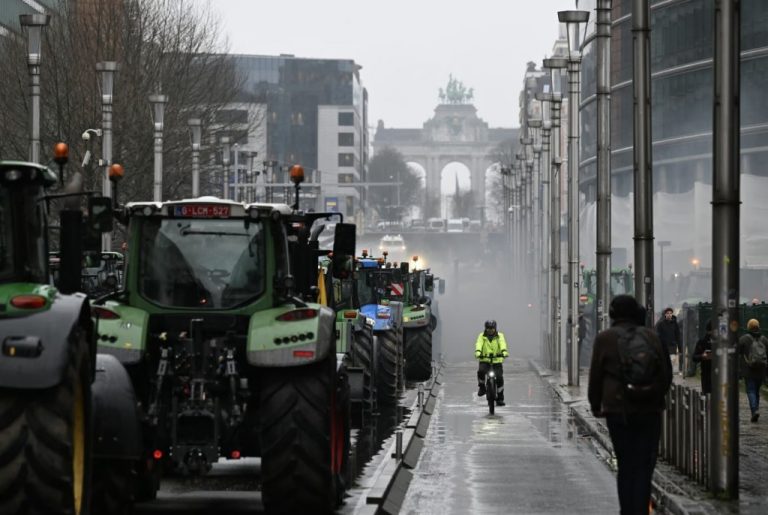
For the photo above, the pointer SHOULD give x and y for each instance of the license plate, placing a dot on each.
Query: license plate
(204, 211)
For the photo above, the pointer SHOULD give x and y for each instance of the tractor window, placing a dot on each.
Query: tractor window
(6, 235)
(193, 263)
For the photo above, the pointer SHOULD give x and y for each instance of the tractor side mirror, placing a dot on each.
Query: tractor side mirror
(344, 240)
(404, 267)
(441, 287)
(429, 282)
(100, 214)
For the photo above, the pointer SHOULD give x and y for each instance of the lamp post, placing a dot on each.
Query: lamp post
(158, 102)
(236, 193)
(195, 136)
(573, 21)
(546, 213)
(107, 70)
(225, 160)
(662, 244)
(33, 24)
(555, 67)
(726, 196)
(268, 179)
(253, 177)
(603, 244)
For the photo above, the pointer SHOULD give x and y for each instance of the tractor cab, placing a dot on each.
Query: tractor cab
(23, 241)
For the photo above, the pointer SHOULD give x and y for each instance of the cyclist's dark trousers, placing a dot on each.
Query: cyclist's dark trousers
(498, 370)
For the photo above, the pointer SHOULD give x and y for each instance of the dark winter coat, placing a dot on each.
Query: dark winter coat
(606, 392)
(745, 342)
(704, 344)
(669, 334)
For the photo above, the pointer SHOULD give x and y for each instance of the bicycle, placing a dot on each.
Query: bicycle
(491, 391)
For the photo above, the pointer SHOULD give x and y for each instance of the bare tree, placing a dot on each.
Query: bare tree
(163, 46)
(388, 165)
(502, 156)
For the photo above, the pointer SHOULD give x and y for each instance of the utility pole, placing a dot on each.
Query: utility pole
(34, 24)
(726, 194)
(603, 250)
(573, 21)
(158, 102)
(643, 163)
(195, 136)
(555, 67)
(107, 70)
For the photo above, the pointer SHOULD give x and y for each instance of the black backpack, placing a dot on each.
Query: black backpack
(640, 367)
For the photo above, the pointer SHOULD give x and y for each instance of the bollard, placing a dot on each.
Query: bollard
(691, 433)
(398, 445)
(707, 461)
(420, 402)
(679, 427)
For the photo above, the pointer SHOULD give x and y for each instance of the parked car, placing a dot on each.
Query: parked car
(455, 225)
(418, 224)
(436, 225)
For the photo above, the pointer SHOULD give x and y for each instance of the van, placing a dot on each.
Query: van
(436, 225)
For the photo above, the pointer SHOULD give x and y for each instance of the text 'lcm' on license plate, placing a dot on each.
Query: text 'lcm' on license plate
(201, 211)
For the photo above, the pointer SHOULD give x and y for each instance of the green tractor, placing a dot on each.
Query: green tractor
(227, 351)
(418, 323)
(354, 332)
(61, 405)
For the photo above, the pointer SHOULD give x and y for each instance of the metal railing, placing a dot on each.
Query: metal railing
(685, 432)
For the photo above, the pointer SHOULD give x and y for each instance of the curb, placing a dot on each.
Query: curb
(392, 478)
(664, 492)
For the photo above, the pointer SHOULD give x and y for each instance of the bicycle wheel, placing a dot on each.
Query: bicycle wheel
(490, 395)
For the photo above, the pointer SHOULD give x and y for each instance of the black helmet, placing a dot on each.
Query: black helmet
(490, 324)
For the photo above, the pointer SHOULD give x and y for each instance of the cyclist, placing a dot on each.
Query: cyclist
(491, 343)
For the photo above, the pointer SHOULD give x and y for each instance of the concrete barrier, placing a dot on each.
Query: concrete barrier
(393, 477)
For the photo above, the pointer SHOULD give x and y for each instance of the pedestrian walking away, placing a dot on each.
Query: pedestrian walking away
(668, 331)
(703, 354)
(753, 350)
(629, 376)
(491, 351)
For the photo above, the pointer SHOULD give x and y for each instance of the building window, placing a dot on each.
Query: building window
(346, 139)
(350, 206)
(346, 178)
(346, 159)
(346, 119)
(230, 116)
(297, 118)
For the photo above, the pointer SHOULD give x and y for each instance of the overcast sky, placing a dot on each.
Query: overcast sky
(407, 48)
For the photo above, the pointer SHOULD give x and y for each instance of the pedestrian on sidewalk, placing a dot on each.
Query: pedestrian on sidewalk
(632, 411)
(753, 349)
(703, 354)
(668, 331)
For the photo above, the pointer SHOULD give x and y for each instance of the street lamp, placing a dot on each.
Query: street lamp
(33, 24)
(573, 21)
(225, 160)
(662, 244)
(107, 70)
(158, 102)
(195, 137)
(555, 66)
(253, 176)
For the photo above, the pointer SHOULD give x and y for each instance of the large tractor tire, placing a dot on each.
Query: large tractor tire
(45, 442)
(418, 354)
(364, 358)
(304, 438)
(388, 365)
(114, 482)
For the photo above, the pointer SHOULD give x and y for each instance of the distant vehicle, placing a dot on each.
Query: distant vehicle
(394, 246)
(455, 225)
(385, 225)
(435, 225)
(475, 225)
(418, 225)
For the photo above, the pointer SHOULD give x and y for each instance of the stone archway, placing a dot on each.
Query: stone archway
(454, 134)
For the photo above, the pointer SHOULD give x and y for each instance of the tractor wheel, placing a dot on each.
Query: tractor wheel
(363, 353)
(45, 442)
(304, 438)
(387, 367)
(113, 486)
(147, 481)
(401, 361)
(418, 354)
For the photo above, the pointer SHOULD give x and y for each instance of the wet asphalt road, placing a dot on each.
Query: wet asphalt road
(527, 459)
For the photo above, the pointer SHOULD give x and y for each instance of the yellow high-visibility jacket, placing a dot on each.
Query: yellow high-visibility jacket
(496, 346)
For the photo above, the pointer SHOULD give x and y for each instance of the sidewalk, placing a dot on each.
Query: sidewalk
(673, 491)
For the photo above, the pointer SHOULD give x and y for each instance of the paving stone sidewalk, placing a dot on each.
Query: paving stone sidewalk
(674, 491)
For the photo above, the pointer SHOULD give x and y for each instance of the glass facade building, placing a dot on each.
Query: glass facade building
(682, 43)
(293, 89)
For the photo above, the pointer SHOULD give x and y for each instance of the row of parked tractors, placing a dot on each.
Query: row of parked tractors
(225, 333)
